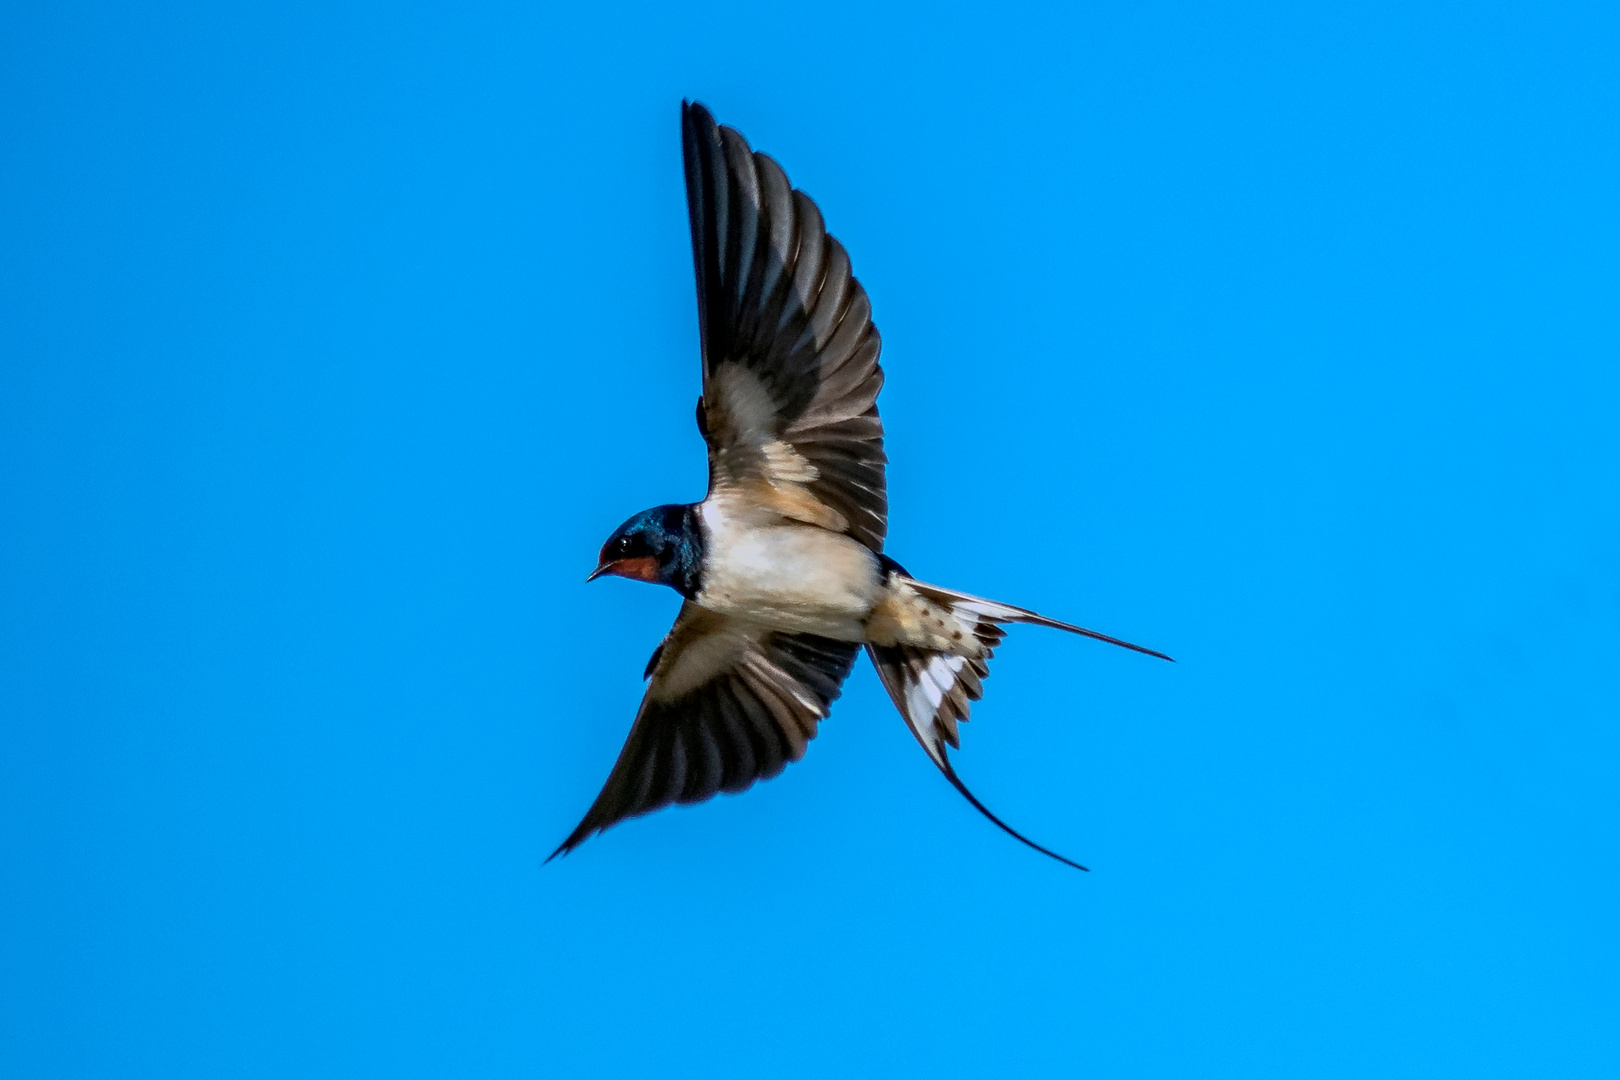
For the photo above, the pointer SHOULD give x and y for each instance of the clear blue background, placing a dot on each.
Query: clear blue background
(334, 339)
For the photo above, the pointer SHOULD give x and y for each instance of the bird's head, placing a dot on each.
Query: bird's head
(661, 545)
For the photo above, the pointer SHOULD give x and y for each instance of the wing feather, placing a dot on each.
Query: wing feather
(743, 756)
(777, 300)
(728, 705)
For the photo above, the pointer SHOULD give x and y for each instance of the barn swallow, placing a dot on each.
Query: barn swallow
(782, 565)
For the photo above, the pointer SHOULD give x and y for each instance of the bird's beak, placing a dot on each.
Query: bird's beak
(641, 568)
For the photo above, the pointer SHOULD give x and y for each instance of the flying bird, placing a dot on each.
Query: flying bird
(782, 565)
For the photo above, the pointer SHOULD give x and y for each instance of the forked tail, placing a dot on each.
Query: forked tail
(933, 689)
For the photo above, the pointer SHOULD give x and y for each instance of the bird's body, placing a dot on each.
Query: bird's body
(782, 563)
(784, 574)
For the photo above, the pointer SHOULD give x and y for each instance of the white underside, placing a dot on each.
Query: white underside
(786, 576)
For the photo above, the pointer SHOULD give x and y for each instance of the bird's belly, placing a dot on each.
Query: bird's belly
(797, 578)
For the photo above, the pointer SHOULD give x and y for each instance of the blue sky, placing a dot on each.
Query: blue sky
(334, 339)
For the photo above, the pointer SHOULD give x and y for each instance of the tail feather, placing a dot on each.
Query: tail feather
(933, 689)
(932, 694)
(1006, 613)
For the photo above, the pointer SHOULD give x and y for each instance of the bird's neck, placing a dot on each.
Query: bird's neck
(684, 573)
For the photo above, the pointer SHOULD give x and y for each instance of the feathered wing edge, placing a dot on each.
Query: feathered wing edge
(749, 717)
(790, 353)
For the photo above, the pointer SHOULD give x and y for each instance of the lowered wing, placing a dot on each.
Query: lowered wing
(728, 704)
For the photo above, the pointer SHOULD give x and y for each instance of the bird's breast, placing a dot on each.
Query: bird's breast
(793, 577)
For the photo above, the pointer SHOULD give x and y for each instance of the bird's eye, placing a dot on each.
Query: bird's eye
(622, 545)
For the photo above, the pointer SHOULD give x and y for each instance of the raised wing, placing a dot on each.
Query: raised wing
(790, 355)
(729, 704)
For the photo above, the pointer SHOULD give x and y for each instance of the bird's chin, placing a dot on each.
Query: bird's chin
(640, 569)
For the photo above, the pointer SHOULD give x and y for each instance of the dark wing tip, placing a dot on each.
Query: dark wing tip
(695, 115)
(691, 111)
(580, 834)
